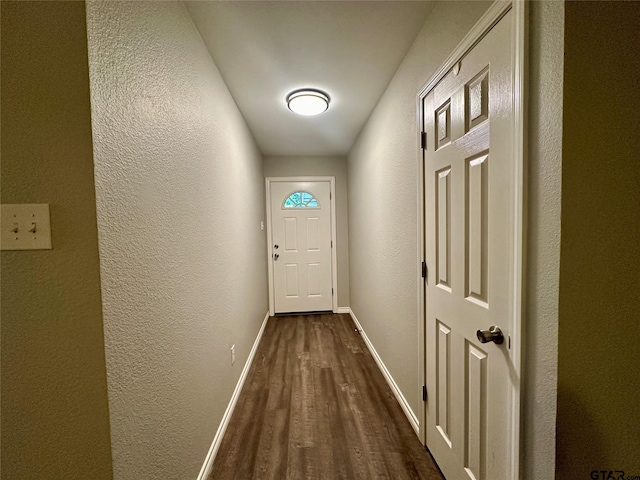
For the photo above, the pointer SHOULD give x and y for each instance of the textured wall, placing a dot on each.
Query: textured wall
(180, 197)
(55, 421)
(382, 175)
(543, 239)
(599, 329)
(319, 166)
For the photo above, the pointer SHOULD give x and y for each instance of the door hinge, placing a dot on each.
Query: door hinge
(424, 393)
(331, 243)
(329, 195)
(424, 270)
(332, 292)
(423, 140)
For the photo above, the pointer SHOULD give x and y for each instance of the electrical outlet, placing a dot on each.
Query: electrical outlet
(233, 354)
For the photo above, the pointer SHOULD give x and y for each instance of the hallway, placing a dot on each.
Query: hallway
(316, 406)
(125, 345)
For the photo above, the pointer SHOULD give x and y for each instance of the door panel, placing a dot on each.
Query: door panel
(292, 280)
(301, 246)
(313, 234)
(315, 279)
(443, 226)
(476, 229)
(443, 382)
(469, 220)
(475, 410)
(290, 234)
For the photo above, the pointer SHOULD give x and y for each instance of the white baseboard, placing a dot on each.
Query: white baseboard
(343, 310)
(413, 420)
(222, 428)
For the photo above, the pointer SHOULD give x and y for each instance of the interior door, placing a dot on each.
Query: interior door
(301, 246)
(469, 223)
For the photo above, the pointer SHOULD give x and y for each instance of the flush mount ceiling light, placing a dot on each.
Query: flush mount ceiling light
(308, 101)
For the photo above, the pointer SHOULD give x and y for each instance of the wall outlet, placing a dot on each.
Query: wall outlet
(233, 354)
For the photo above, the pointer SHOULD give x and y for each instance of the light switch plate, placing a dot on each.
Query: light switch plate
(25, 227)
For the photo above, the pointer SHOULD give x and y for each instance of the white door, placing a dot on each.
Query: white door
(301, 243)
(470, 220)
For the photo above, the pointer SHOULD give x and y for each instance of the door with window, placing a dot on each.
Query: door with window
(301, 244)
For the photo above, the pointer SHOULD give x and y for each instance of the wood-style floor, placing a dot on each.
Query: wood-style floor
(315, 406)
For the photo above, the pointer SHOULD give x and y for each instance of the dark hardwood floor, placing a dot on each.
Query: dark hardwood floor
(315, 406)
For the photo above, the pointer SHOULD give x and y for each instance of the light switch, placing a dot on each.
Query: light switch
(25, 227)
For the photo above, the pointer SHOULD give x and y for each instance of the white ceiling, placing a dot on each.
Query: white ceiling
(266, 49)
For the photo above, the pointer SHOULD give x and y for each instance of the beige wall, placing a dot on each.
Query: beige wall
(382, 175)
(319, 166)
(599, 332)
(180, 197)
(55, 421)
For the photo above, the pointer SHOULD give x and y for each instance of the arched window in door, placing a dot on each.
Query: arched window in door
(300, 200)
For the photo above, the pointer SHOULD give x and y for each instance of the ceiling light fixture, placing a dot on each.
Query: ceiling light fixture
(308, 102)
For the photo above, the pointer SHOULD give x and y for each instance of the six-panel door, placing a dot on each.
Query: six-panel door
(469, 224)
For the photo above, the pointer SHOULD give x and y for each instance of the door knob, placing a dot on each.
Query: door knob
(276, 256)
(494, 334)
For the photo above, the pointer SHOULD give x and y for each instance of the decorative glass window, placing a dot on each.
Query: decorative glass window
(300, 200)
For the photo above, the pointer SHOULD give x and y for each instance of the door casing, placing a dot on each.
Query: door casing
(334, 260)
(519, 59)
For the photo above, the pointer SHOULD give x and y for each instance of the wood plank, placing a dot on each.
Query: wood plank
(315, 406)
(273, 448)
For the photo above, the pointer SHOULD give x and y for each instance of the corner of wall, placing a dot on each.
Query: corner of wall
(546, 34)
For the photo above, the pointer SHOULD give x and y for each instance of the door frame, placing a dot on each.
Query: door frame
(519, 39)
(334, 248)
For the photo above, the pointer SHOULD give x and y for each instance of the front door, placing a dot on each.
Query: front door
(301, 243)
(470, 220)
